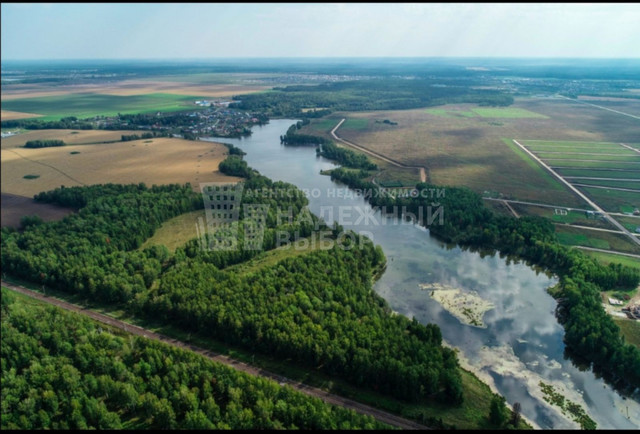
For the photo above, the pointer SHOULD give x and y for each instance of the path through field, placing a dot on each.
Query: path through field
(423, 172)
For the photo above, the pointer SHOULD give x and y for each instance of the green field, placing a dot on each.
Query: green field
(551, 181)
(630, 329)
(599, 173)
(571, 236)
(593, 164)
(488, 112)
(89, 105)
(635, 185)
(451, 113)
(354, 124)
(175, 232)
(569, 143)
(571, 156)
(631, 223)
(613, 200)
(608, 258)
(507, 113)
(619, 150)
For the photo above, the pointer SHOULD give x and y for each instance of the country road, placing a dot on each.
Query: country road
(568, 208)
(600, 107)
(579, 193)
(423, 172)
(380, 415)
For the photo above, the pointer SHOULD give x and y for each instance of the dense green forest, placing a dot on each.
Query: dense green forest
(43, 143)
(70, 122)
(317, 309)
(61, 370)
(590, 333)
(371, 94)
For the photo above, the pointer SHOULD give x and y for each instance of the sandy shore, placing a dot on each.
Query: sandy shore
(468, 307)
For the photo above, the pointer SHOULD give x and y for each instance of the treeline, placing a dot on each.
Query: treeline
(363, 95)
(346, 157)
(148, 135)
(44, 143)
(234, 150)
(61, 370)
(589, 332)
(67, 123)
(326, 148)
(292, 138)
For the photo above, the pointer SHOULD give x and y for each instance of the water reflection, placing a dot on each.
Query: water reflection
(522, 343)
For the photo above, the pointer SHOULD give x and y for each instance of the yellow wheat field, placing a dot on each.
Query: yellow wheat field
(70, 137)
(8, 115)
(152, 161)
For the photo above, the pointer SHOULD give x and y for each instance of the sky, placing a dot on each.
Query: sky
(237, 30)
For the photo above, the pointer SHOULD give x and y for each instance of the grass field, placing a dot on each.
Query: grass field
(7, 115)
(159, 161)
(467, 151)
(570, 144)
(572, 217)
(571, 236)
(613, 200)
(92, 104)
(175, 232)
(487, 112)
(70, 137)
(461, 149)
(621, 174)
(608, 258)
(354, 124)
(634, 184)
(212, 85)
(627, 165)
(631, 223)
(632, 157)
(630, 329)
(579, 151)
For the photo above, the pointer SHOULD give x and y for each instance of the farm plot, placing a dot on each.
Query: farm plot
(571, 236)
(609, 173)
(628, 184)
(70, 137)
(85, 105)
(599, 173)
(155, 161)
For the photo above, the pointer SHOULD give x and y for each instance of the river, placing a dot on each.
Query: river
(521, 343)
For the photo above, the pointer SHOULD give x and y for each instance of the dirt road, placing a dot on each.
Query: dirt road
(423, 172)
(381, 415)
(579, 193)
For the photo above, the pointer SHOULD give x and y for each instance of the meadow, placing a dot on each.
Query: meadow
(487, 112)
(156, 161)
(70, 137)
(608, 258)
(601, 173)
(86, 105)
(634, 185)
(571, 236)
(460, 149)
(613, 200)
